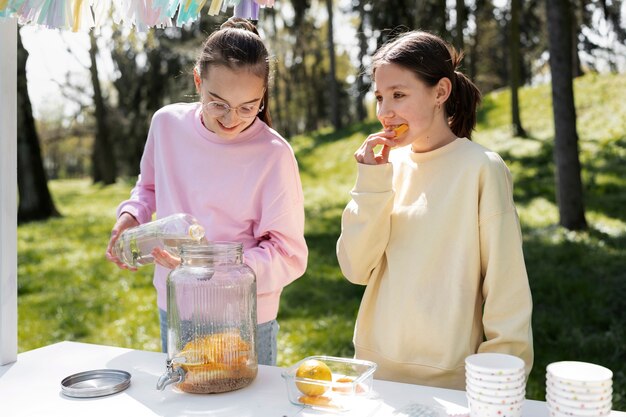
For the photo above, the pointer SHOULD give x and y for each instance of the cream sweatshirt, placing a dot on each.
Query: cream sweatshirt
(245, 189)
(436, 239)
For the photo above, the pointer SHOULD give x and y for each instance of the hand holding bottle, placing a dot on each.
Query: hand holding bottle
(125, 221)
(158, 240)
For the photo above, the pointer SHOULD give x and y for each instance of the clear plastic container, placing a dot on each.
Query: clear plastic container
(135, 245)
(211, 320)
(352, 380)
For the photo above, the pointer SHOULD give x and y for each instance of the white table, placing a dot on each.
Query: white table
(32, 387)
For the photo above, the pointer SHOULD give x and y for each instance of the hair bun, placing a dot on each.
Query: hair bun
(239, 23)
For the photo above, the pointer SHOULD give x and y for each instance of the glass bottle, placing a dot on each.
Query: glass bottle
(211, 320)
(134, 246)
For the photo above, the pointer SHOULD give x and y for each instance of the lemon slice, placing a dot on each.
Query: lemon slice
(401, 129)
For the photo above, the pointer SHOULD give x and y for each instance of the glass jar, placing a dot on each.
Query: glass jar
(134, 246)
(211, 320)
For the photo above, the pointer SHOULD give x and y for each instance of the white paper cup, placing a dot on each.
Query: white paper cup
(580, 374)
(579, 405)
(578, 412)
(553, 412)
(521, 376)
(505, 393)
(494, 363)
(599, 397)
(496, 386)
(573, 389)
(519, 398)
(480, 409)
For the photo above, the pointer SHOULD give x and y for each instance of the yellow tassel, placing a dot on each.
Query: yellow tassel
(77, 4)
(201, 5)
(3, 4)
(215, 7)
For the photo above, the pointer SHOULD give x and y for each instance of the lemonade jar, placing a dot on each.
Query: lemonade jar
(211, 320)
(134, 246)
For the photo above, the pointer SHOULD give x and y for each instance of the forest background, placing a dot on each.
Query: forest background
(77, 162)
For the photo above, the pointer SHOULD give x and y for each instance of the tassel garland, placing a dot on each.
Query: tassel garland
(82, 15)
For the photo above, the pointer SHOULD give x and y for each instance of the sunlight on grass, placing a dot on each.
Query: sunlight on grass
(539, 213)
(610, 226)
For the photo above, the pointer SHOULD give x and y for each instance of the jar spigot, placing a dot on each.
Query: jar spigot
(172, 376)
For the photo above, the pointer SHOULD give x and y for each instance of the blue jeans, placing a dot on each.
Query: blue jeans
(266, 339)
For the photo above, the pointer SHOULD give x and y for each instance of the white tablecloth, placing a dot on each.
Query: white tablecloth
(32, 387)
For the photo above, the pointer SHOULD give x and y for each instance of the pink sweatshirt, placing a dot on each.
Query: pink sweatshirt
(245, 189)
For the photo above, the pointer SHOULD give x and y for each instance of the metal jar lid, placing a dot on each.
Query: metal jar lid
(96, 383)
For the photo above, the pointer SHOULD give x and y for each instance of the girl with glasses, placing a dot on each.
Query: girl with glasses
(220, 161)
(432, 230)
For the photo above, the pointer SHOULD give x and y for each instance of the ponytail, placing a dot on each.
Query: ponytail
(461, 106)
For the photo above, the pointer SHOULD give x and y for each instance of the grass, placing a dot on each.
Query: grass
(67, 291)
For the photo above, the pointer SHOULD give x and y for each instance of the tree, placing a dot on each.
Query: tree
(461, 21)
(335, 117)
(516, 61)
(568, 180)
(153, 69)
(35, 202)
(103, 160)
(362, 83)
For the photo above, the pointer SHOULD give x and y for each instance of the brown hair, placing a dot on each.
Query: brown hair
(235, 45)
(431, 58)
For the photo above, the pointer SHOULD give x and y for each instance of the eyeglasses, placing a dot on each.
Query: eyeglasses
(219, 109)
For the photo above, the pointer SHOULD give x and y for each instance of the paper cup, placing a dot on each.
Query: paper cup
(480, 409)
(580, 374)
(496, 386)
(578, 412)
(496, 393)
(573, 389)
(506, 378)
(494, 363)
(496, 400)
(559, 393)
(579, 405)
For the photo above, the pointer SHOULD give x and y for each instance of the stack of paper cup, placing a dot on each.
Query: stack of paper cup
(578, 389)
(495, 385)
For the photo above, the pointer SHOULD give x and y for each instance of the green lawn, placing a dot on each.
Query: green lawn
(67, 291)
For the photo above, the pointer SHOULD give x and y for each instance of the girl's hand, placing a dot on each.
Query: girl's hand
(164, 258)
(365, 154)
(125, 221)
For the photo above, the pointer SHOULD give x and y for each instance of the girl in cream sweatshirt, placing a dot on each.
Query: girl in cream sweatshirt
(431, 229)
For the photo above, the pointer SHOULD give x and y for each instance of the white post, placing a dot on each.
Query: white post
(8, 191)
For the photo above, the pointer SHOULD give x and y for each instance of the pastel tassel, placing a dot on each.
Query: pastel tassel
(214, 8)
(4, 6)
(141, 14)
(247, 9)
(189, 11)
(81, 15)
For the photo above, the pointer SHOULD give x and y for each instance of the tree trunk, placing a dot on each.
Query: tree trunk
(335, 117)
(515, 57)
(361, 87)
(103, 160)
(276, 108)
(35, 202)
(577, 69)
(459, 43)
(568, 182)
